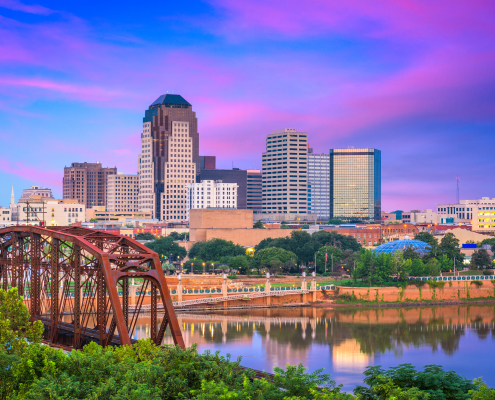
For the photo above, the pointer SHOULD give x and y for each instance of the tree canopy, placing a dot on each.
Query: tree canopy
(144, 236)
(481, 259)
(215, 250)
(166, 246)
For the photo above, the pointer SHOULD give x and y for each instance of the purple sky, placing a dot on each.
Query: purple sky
(415, 79)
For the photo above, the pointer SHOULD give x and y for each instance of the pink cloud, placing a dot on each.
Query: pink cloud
(30, 9)
(47, 177)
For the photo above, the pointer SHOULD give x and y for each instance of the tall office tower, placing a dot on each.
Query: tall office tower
(285, 173)
(122, 192)
(253, 191)
(169, 146)
(355, 184)
(236, 175)
(207, 162)
(212, 194)
(319, 184)
(87, 183)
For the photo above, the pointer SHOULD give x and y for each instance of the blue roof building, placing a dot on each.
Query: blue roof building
(399, 245)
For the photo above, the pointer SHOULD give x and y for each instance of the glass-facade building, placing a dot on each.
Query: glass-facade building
(355, 185)
(319, 184)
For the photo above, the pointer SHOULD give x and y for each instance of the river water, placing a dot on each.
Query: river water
(344, 341)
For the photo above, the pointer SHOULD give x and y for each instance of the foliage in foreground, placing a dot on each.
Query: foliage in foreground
(29, 370)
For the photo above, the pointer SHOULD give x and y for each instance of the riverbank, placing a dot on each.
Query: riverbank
(399, 304)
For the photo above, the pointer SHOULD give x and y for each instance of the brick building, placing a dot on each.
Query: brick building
(86, 183)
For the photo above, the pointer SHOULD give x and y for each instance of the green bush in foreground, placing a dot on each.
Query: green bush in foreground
(147, 372)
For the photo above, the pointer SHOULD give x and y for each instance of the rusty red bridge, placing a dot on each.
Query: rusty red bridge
(76, 281)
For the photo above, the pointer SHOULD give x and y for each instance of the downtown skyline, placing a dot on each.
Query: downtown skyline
(411, 79)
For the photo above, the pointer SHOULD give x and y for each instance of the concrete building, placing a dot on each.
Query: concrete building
(48, 212)
(115, 217)
(122, 192)
(169, 158)
(420, 217)
(480, 212)
(207, 162)
(355, 184)
(6, 217)
(368, 235)
(386, 216)
(86, 183)
(44, 193)
(319, 184)
(228, 224)
(234, 175)
(398, 231)
(285, 172)
(254, 199)
(211, 194)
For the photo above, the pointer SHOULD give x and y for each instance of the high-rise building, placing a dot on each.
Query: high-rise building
(355, 184)
(169, 157)
(319, 184)
(207, 162)
(480, 212)
(122, 192)
(253, 191)
(87, 183)
(285, 173)
(235, 175)
(212, 194)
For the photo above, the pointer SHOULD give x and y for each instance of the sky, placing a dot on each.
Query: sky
(414, 79)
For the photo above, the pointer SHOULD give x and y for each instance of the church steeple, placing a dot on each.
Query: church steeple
(12, 197)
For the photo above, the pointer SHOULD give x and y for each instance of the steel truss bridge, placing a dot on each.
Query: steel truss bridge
(70, 278)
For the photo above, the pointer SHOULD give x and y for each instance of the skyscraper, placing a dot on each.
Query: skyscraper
(122, 192)
(355, 184)
(253, 192)
(285, 173)
(207, 162)
(87, 183)
(235, 175)
(319, 184)
(169, 157)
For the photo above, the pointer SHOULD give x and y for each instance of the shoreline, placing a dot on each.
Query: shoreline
(400, 305)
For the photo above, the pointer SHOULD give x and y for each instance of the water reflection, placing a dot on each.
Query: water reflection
(345, 341)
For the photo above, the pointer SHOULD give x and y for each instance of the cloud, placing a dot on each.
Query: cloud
(36, 174)
(30, 9)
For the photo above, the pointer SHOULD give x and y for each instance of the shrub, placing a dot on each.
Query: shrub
(477, 283)
(231, 276)
(488, 272)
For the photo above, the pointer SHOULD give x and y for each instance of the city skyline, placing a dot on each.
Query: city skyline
(393, 77)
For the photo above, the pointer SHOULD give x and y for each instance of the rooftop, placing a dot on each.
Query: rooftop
(170, 100)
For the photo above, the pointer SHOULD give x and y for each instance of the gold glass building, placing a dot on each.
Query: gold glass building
(355, 185)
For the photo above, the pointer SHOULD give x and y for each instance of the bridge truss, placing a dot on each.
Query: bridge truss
(76, 281)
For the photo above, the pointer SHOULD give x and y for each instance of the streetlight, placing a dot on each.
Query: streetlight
(204, 268)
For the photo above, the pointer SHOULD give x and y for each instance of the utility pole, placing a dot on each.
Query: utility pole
(331, 256)
(454, 266)
(315, 263)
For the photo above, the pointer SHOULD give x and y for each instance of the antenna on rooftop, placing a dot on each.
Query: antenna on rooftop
(457, 194)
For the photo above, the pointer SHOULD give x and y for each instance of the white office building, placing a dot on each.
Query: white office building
(480, 213)
(212, 194)
(285, 173)
(319, 184)
(122, 192)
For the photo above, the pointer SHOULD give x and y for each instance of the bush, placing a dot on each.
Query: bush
(477, 283)
(488, 272)
(231, 277)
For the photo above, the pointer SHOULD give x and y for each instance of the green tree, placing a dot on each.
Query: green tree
(344, 242)
(490, 241)
(335, 222)
(166, 246)
(93, 220)
(449, 245)
(320, 258)
(240, 263)
(427, 237)
(401, 266)
(144, 236)
(417, 268)
(481, 259)
(213, 250)
(16, 331)
(258, 225)
(264, 257)
(410, 253)
(433, 267)
(302, 245)
(167, 268)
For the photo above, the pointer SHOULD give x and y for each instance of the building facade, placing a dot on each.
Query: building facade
(122, 192)
(254, 199)
(355, 185)
(366, 236)
(169, 157)
(480, 212)
(86, 183)
(100, 215)
(207, 162)
(36, 191)
(235, 175)
(48, 212)
(5, 216)
(212, 194)
(285, 173)
(319, 184)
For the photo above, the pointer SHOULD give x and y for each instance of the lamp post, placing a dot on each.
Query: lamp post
(204, 268)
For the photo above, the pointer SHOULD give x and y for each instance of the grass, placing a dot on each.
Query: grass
(406, 301)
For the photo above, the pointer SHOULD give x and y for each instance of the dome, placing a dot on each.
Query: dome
(396, 245)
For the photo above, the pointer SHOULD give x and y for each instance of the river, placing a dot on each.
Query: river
(344, 341)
